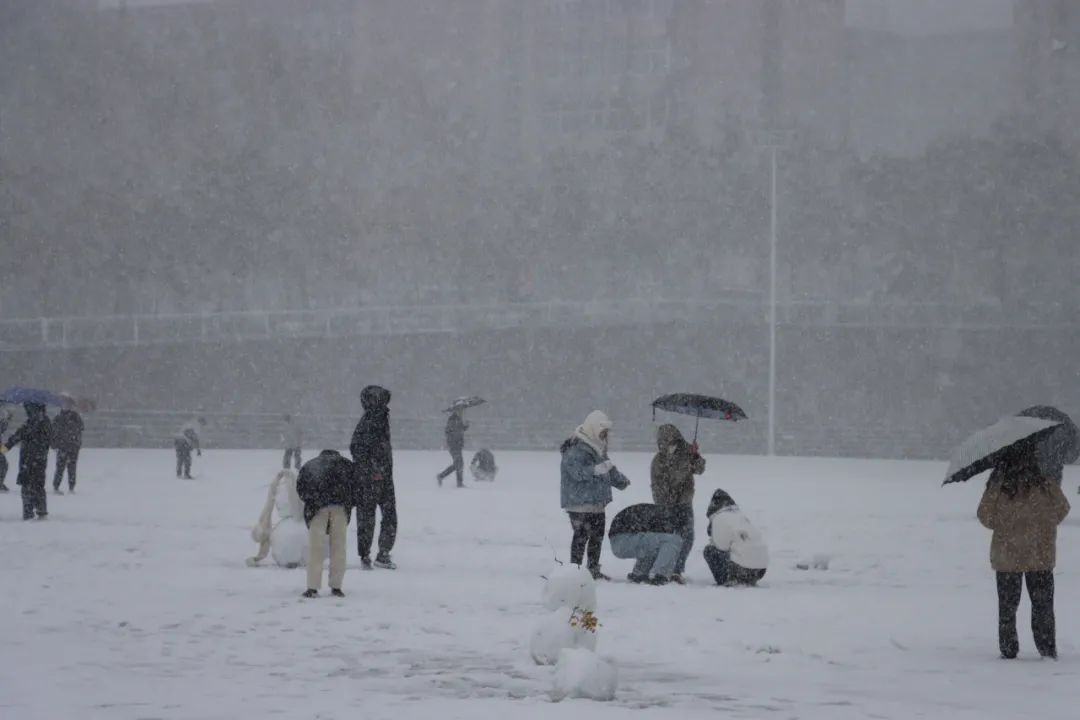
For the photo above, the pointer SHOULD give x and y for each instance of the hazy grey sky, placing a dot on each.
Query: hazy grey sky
(927, 17)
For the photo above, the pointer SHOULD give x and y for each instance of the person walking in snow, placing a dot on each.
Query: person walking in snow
(736, 553)
(672, 480)
(1023, 509)
(373, 457)
(35, 436)
(5, 419)
(67, 439)
(327, 486)
(586, 479)
(648, 533)
(455, 443)
(292, 437)
(186, 440)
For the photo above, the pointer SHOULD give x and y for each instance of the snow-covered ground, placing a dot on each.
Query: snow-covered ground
(133, 601)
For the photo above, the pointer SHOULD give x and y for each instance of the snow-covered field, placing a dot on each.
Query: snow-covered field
(133, 601)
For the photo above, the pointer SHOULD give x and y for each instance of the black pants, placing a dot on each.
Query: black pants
(183, 459)
(588, 533)
(65, 460)
(457, 466)
(3, 469)
(1040, 587)
(725, 572)
(683, 518)
(292, 453)
(383, 499)
(33, 498)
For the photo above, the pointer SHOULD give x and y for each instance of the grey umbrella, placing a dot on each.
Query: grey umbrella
(1061, 447)
(992, 445)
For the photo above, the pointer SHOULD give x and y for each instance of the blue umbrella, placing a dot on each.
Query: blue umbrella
(19, 395)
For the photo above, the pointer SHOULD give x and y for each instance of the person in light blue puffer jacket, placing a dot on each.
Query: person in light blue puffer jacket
(587, 478)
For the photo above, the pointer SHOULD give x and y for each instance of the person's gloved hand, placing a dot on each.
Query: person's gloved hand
(694, 448)
(603, 468)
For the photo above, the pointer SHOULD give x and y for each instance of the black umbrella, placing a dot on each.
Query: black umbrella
(700, 406)
(1059, 448)
(996, 444)
(464, 403)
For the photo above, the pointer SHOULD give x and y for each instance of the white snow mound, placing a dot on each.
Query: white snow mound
(289, 543)
(554, 633)
(582, 673)
(569, 586)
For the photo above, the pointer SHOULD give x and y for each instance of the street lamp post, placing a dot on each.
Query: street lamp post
(772, 308)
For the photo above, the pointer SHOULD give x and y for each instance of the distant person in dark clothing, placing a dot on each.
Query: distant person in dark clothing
(649, 534)
(35, 436)
(373, 457)
(186, 440)
(455, 443)
(5, 420)
(292, 436)
(327, 486)
(67, 439)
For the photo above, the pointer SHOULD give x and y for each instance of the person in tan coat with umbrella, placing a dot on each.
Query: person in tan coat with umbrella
(1024, 509)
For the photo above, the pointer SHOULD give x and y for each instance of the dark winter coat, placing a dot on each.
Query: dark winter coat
(35, 437)
(326, 480)
(643, 518)
(1024, 510)
(455, 432)
(674, 468)
(370, 446)
(67, 431)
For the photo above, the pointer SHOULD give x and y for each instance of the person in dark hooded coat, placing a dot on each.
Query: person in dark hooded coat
(67, 439)
(373, 456)
(35, 436)
(672, 479)
(5, 419)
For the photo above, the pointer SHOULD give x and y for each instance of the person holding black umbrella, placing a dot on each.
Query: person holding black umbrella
(1023, 508)
(672, 474)
(455, 443)
(35, 436)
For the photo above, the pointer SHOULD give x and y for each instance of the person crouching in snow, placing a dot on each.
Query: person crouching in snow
(587, 476)
(736, 553)
(327, 485)
(288, 537)
(649, 534)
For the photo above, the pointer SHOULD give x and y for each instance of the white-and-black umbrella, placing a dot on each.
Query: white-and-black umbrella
(1061, 447)
(990, 446)
(464, 403)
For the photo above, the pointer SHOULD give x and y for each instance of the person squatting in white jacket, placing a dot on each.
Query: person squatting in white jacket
(736, 553)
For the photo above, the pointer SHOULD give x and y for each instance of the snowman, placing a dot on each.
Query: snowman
(287, 540)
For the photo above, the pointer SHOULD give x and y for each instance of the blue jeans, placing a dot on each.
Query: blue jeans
(655, 552)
